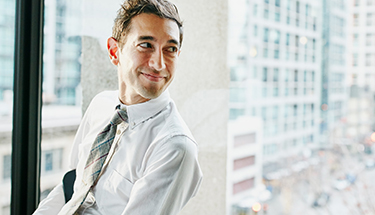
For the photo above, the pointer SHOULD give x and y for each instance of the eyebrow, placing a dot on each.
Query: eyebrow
(141, 38)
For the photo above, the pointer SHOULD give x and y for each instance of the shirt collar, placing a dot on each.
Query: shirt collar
(141, 112)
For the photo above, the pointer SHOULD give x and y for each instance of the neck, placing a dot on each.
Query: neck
(130, 98)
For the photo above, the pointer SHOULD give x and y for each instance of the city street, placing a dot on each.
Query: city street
(298, 192)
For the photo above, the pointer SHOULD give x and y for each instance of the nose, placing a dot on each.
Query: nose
(157, 61)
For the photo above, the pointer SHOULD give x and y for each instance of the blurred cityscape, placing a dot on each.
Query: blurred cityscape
(61, 111)
(302, 98)
(302, 103)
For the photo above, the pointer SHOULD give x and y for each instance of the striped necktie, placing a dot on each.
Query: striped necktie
(98, 154)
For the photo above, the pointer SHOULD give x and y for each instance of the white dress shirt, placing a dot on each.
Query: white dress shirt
(152, 167)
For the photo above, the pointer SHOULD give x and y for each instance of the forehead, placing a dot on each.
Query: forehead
(152, 25)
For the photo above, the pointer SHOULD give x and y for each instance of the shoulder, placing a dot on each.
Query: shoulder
(175, 126)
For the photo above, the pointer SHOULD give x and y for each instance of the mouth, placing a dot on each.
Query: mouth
(153, 77)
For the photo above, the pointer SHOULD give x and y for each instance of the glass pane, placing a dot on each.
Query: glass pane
(317, 157)
(7, 24)
(61, 112)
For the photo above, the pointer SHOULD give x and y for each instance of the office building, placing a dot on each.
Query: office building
(275, 67)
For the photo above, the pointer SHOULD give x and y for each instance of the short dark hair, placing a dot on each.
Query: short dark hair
(131, 8)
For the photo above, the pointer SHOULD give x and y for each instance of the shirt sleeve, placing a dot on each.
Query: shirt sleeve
(171, 178)
(53, 203)
(55, 200)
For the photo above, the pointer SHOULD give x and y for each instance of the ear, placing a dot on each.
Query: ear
(112, 46)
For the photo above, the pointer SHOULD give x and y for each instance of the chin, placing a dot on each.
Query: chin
(151, 94)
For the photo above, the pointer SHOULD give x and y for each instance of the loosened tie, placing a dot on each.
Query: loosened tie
(98, 154)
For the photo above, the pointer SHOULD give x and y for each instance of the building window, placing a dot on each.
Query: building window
(313, 44)
(276, 75)
(277, 16)
(287, 39)
(307, 10)
(355, 20)
(277, 3)
(355, 39)
(297, 6)
(295, 75)
(265, 74)
(265, 14)
(369, 19)
(312, 76)
(277, 37)
(355, 59)
(255, 33)
(244, 139)
(52, 160)
(295, 110)
(276, 54)
(296, 40)
(265, 52)
(255, 10)
(7, 166)
(265, 35)
(243, 185)
(243, 162)
(276, 92)
(369, 38)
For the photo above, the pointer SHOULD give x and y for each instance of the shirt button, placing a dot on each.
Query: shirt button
(118, 132)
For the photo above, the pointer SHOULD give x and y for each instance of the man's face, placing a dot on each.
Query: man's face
(147, 61)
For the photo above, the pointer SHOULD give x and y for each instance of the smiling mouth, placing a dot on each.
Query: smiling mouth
(155, 78)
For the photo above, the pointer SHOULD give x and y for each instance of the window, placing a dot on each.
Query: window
(265, 35)
(355, 20)
(265, 14)
(355, 39)
(275, 113)
(7, 166)
(287, 40)
(295, 75)
(243, 185)
(265, 52)
(355, 59)
(277, 16)
(369, 39)
(265, 74)
(296, 40)
(243, 162)
(276, 54)
(286, 75)
(276, 75)
(52, 160)
(277, 3)
(245, 139)
(307, 10)
(276, 35)
(297, 6)
(369, 19)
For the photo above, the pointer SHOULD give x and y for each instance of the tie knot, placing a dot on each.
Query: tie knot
(119, 117)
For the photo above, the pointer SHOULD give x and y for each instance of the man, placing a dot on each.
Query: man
(151, 167)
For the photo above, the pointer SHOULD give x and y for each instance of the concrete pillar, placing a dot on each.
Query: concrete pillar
(200, 88)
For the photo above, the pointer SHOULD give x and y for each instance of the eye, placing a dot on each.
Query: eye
(172, 49)
(146, 45)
